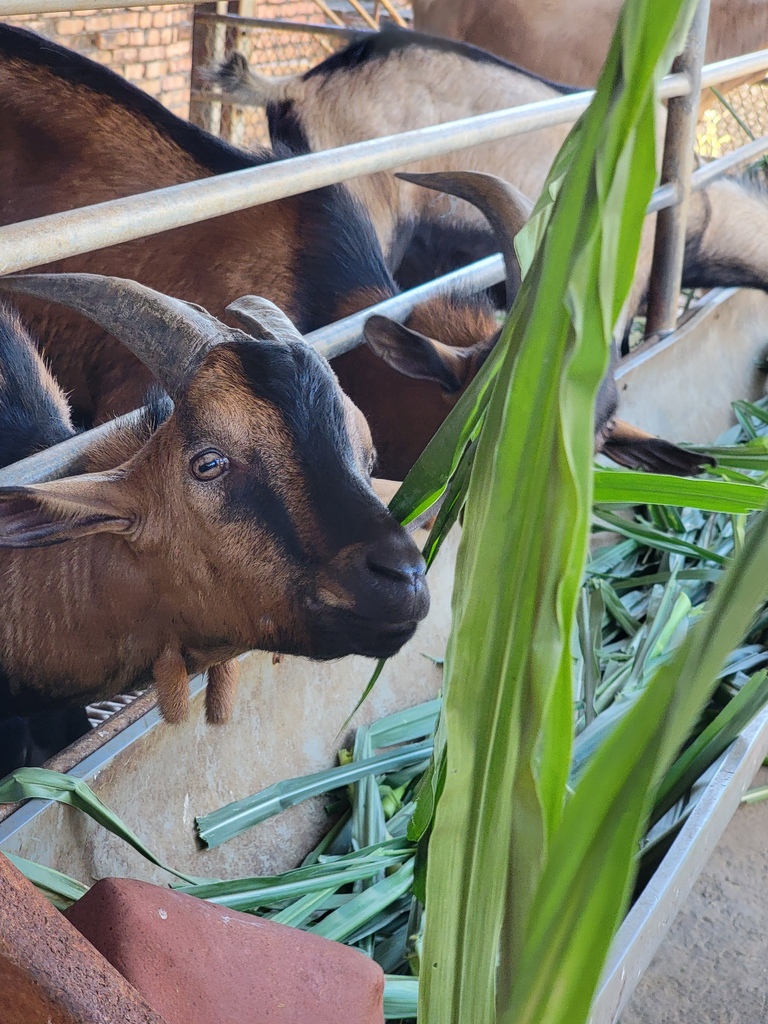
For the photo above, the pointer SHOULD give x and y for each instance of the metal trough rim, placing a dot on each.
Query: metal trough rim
(644, 927)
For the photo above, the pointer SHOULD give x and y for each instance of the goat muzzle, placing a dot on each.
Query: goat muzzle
(371, 597)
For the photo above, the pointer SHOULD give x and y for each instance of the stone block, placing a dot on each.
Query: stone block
(51, 974)
(199, 963)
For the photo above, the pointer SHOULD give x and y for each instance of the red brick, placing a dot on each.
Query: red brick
(197, 963)
(123, 55)
(49, 972)
(124, 19)
(147, 53)
(145, 19)
(155, 68)
(134, 71)
(174, 83)
(111, 39)
(70, 26)
(153, 86)
(98, 23)
(179, 49)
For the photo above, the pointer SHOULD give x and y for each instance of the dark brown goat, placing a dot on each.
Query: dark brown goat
(405, 81)
(75, 134)
(244, 520)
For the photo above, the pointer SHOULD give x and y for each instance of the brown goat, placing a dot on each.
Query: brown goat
(568, 41)
(76, 134)
(245, 519)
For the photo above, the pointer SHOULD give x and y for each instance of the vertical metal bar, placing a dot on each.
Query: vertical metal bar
(676, 169)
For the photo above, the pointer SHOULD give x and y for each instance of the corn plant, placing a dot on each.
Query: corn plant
(525, 888)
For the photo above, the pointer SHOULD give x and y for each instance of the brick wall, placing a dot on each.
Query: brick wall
(150, 46)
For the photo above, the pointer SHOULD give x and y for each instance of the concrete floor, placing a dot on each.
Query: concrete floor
(712, 968)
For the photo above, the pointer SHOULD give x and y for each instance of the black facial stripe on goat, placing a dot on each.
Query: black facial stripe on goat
(318, 425)
(286, 129)
(72, 67)
(701, 271)
(249, 500)
(332, 265)
(32, 412)
(378, 45)
(159, 408)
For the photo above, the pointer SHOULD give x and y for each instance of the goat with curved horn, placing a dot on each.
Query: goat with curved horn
(168, 335)
(505, 207)
(263, 316)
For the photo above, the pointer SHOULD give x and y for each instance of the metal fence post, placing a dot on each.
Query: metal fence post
(676, 169)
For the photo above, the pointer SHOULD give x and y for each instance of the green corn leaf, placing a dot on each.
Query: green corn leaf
(42, 784)
(585, 885)
(654, 538)
(300, 911)
(508, 665)
(400, 997)
(366, 904)
(60, 889)
(711, 743)
(627, 488)
(251, 893)
(227, 822)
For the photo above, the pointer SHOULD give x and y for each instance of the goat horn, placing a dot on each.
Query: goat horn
(263, 318)
(505, 207)
(168, 335)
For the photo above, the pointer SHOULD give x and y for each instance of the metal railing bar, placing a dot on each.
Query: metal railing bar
(56, 236)
(280, 25)
(61, 459)
(676, 170)
(666, 195)
(734, 67)
(344, 335)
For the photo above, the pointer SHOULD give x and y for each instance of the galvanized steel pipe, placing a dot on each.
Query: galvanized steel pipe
(676, 169)
(346, 334)
(279, 25)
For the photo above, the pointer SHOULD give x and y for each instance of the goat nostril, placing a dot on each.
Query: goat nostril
(403, 569)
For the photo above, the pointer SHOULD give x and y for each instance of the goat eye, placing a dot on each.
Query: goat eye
(209, 465)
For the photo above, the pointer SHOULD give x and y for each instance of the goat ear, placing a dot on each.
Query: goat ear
(416, 355)
(39, 515)
(636, 449)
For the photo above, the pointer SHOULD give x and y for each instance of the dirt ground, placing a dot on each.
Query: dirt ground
(712, 968)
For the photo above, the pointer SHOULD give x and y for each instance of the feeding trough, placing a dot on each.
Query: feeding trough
(290, 711)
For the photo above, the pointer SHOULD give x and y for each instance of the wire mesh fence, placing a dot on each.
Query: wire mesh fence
(729, 122)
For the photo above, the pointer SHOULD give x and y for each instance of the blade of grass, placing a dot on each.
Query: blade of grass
(60, 889)
(233, 819)
(627, 488)
(42, 784)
